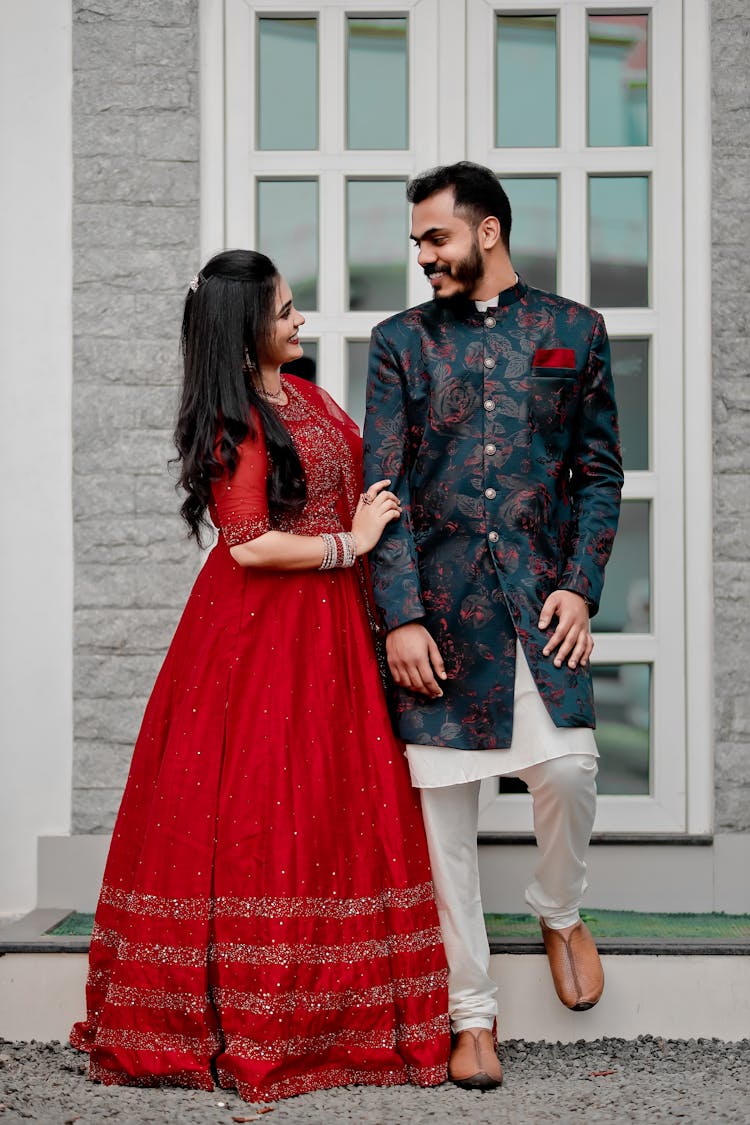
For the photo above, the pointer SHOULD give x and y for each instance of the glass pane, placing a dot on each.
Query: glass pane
(356, 368)
(533, 239)
(622, 697)
(622, 693)
(626, 601)
(288, 233)
(618, 80)
(630, 367)
(377, 241)
(526, 107)
(287, 83)
(306, 367)
(377, 101)
(618, 240)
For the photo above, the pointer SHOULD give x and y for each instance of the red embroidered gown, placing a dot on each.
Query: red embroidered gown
(267, 915)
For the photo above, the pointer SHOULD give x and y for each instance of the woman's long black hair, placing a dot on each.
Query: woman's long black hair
(227, 315)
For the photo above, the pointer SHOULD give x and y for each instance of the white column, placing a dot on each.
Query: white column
(36, 561)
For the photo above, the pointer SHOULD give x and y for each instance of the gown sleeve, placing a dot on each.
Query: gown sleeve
(240, 501)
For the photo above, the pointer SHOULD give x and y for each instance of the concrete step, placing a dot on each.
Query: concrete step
(676, 990)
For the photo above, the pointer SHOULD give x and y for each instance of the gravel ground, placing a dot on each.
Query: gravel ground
(611, 1080)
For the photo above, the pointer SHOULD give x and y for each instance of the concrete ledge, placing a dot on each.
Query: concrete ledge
(29, 934)
(680, 997)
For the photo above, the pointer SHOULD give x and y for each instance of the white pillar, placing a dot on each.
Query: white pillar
(36, 557)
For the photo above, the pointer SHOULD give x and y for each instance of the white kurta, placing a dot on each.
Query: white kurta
(535, 739)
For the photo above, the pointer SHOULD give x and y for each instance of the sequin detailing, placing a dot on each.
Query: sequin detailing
(368, 1040)
(273, 1004)
(157, 1041)
(340, 1076)
(267, 906)
(155, 906)
(127, 996)
(393, 898)
(243, 530)
(329, 468)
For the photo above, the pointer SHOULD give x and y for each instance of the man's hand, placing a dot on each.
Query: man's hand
(414, 659)
(572, 633)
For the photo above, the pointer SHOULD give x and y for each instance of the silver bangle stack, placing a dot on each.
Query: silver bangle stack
(339, 550)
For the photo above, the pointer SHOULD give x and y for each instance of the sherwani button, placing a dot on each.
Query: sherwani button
(490, 322)
(490, 449)
(493, 537)
(489, 404)
(490, 493)
(489, 361)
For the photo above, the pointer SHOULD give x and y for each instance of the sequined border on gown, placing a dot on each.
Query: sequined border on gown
(267, 918)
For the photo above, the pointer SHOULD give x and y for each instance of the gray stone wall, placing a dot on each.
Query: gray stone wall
(730, 45)
(136, 237)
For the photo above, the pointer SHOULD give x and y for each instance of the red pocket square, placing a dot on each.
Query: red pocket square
(554, 357)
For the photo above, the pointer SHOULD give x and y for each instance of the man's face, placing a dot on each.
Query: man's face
(449, 251)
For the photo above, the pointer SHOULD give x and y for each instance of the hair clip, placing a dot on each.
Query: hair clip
(195, 282)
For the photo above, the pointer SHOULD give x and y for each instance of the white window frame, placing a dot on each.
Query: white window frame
(451, 118)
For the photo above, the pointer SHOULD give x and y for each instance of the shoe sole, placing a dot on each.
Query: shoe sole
(479, 1081)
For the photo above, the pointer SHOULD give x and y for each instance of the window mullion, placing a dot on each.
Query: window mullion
(571, 78)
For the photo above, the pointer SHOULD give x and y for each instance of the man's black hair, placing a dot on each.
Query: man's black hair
(476, 189)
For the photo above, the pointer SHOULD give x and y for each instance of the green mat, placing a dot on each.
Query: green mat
(74, 925)
(602, 923)
(631, 924)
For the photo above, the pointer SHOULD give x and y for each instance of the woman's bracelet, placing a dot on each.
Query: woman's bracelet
(339, 550)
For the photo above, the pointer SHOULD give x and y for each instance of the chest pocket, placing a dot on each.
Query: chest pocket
(553, 399)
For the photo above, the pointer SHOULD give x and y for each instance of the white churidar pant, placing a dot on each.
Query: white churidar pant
(559, 767)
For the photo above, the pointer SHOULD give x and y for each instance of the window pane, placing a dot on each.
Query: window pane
(287, 83)
(526, 81)
(630, 367)
(377, 101)
(356, 369)
(618, 80)
(626, 601)
(306, 367)
(288, 233)
(377, 239)
(622, 693)
(533, 240)
(618, 240)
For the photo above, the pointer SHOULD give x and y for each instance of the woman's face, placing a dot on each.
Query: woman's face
(283, 343)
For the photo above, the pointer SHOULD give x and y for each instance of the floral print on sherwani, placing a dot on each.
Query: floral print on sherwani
(499, 433)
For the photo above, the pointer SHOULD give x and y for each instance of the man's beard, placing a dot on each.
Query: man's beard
(468, 272)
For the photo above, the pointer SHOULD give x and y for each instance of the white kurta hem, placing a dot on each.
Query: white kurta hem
(535, 739)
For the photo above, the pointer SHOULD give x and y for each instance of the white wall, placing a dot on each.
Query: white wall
(36, 559)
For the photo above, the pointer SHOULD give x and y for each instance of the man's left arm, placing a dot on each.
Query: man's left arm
(596, 486)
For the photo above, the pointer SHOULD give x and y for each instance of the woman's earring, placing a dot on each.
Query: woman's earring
(248, 364)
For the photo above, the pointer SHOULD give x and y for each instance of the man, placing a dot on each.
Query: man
(491, 410)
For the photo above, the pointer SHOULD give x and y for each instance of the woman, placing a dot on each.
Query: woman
(267, 916)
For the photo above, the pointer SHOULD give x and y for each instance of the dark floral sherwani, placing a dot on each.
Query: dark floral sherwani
(499, 433)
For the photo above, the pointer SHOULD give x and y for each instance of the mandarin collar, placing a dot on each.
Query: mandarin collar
(464, 308)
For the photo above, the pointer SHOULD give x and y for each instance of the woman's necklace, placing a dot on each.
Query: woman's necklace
(273, 396)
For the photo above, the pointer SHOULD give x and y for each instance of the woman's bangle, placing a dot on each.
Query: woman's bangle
(339, 550)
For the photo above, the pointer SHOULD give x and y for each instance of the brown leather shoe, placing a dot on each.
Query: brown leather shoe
(474, 1063)
(575, 966)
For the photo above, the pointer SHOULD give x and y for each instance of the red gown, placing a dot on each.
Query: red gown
(267, 915)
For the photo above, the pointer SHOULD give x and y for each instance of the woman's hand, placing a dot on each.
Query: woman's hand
(375, 509)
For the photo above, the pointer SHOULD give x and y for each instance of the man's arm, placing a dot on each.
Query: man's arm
(596, 485)
(413, 656)
(596, 477)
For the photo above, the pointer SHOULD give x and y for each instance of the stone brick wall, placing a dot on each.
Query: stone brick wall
(136, 238)
(730, 45)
